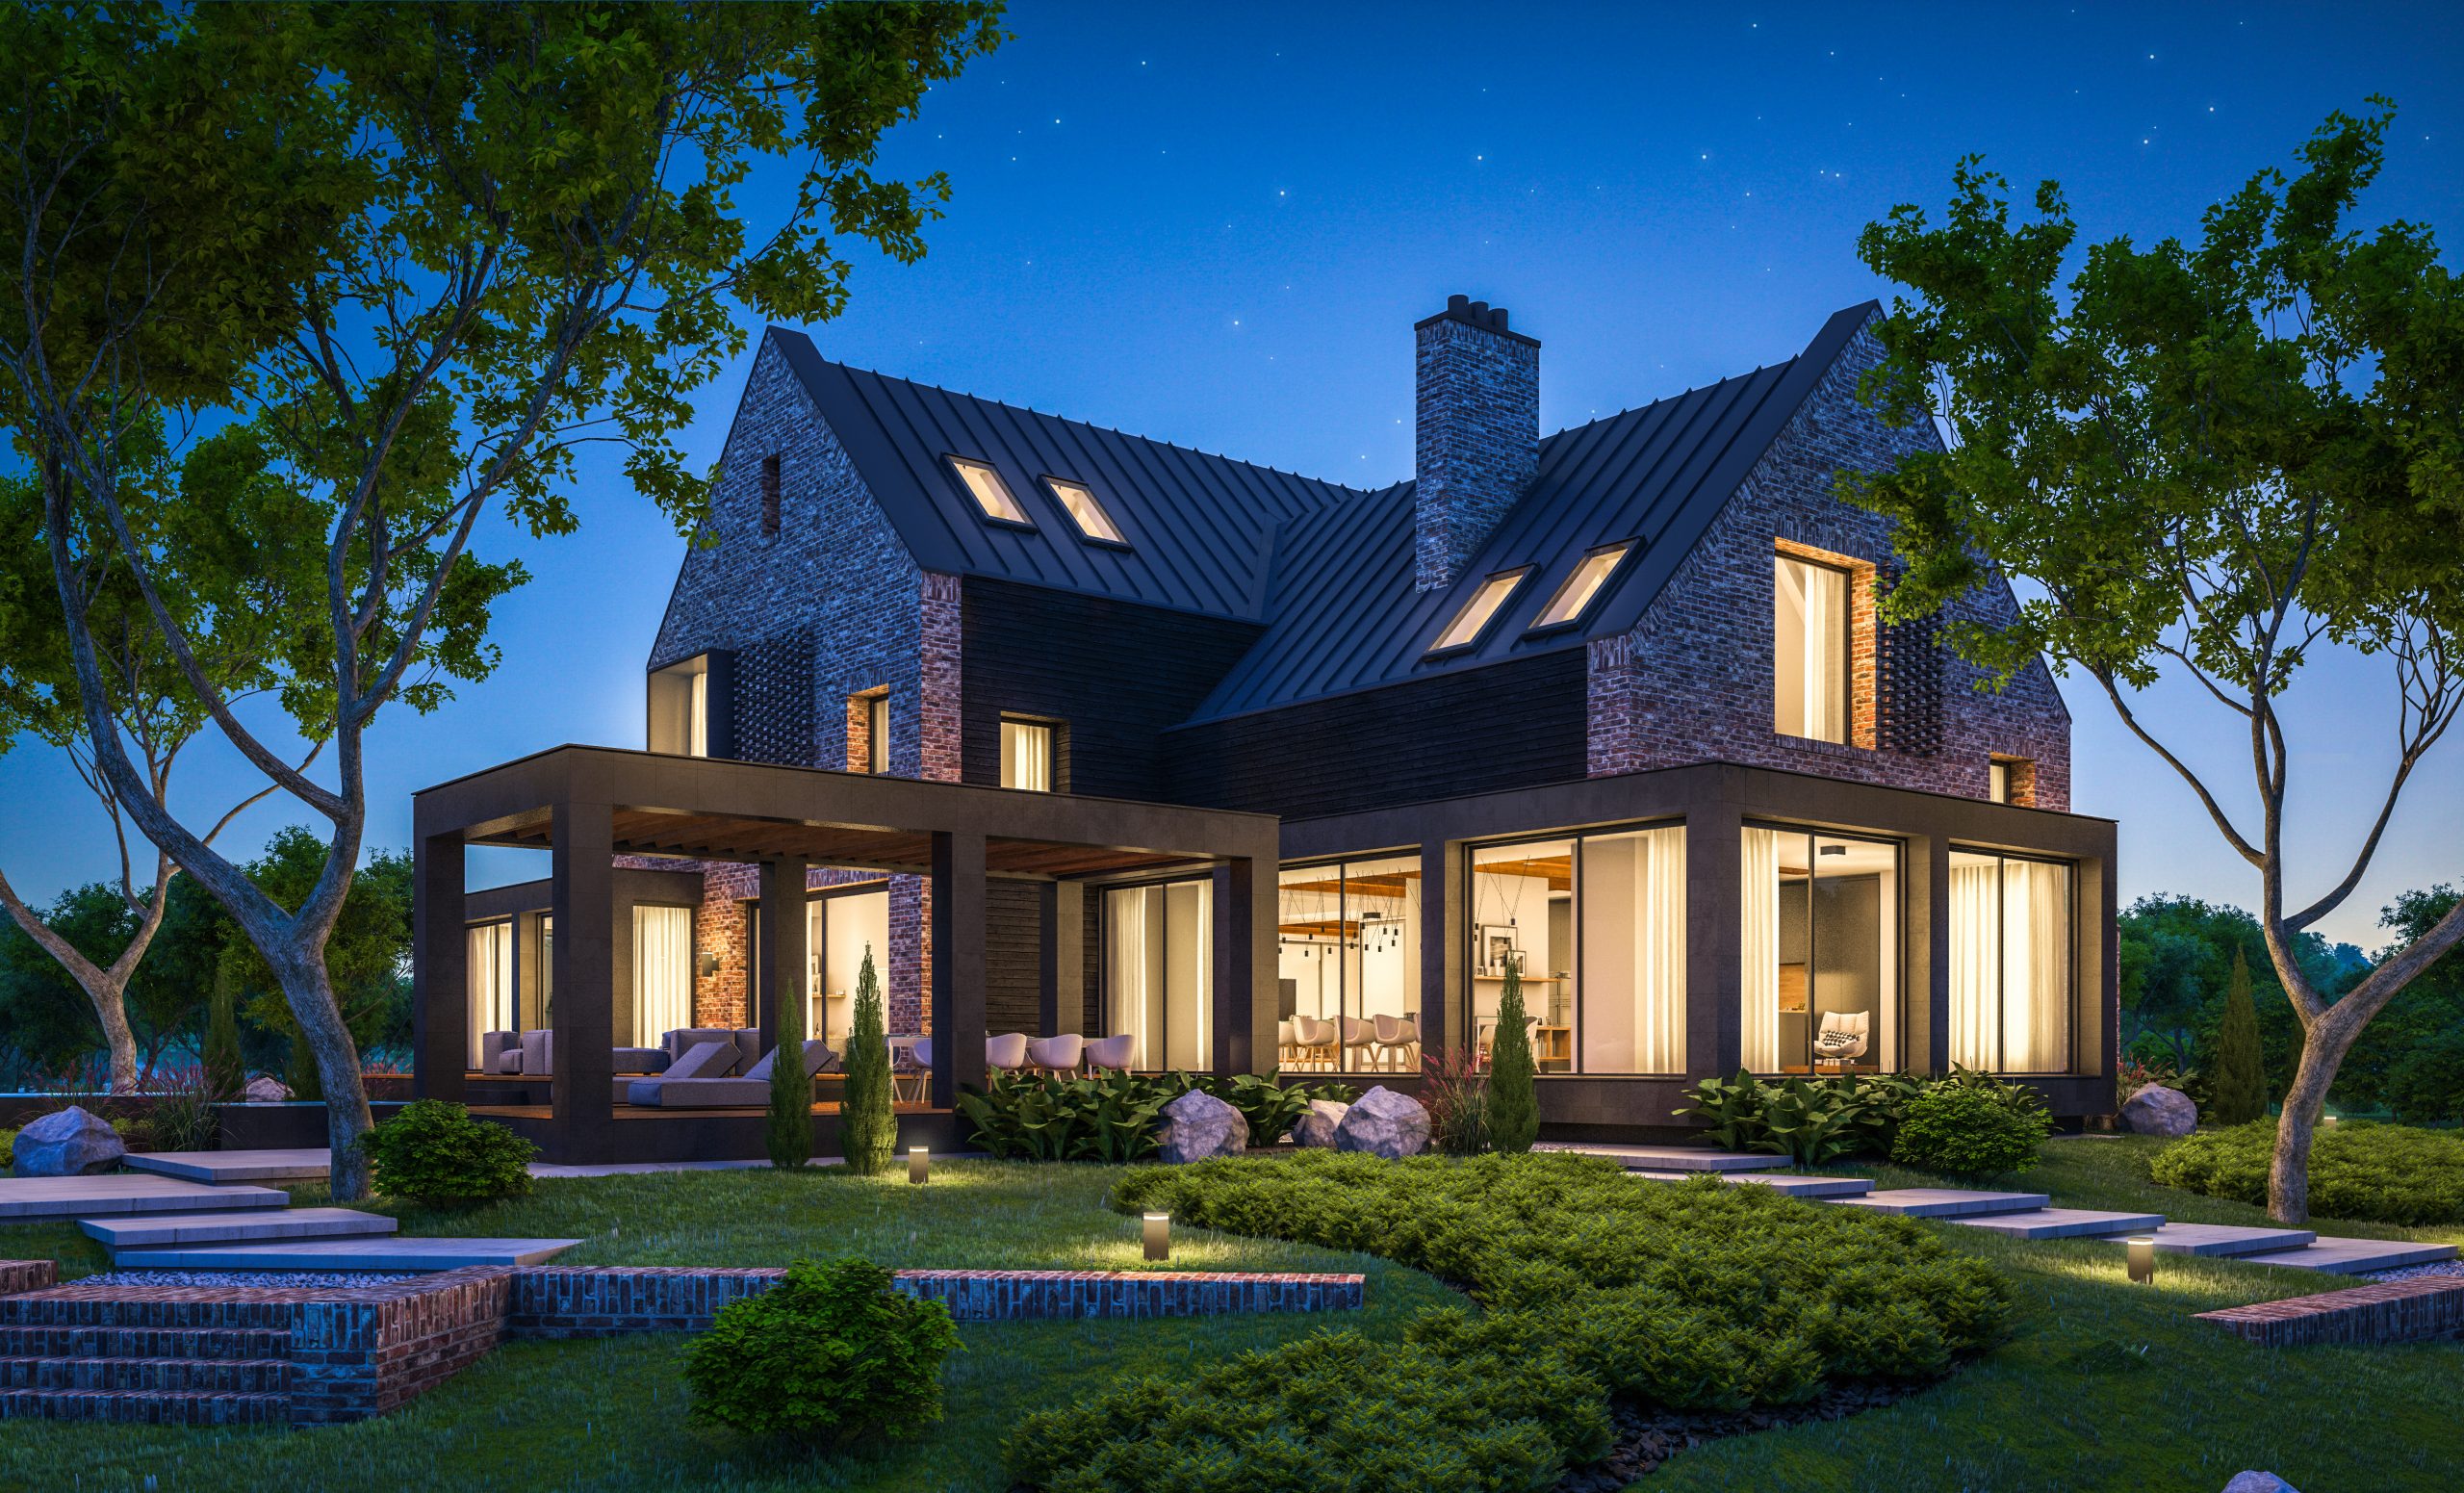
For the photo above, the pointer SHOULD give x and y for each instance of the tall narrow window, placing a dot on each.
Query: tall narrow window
(2011, 965)
(770, 495)
(989, 492)
(680, 705)
(876, 732)
(1633, 925)
(662, 974)
(1575, 597)
(490, 981)
(1997, 781)
(1348, 957)
(1810, 650)
(1026, 756)
(1819, 944)
(1158, 973)
(1085, 511)
(1474, 619)
(1523, 922)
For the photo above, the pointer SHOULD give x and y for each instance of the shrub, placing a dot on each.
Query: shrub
(2428, 1087)
(435, 1154)
(1972, 1126)
(830, 1355)
(8, 1148)
(2238, 1090)
(2386, 1173)
(1113, 1119)
(1514, 1103)
(1455, 1093)
(1270, 1107)
(1810, 1122)
(786, 1127)
(867, 1124)
(183, 1110)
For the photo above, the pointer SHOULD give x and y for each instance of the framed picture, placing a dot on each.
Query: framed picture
(1499, 952)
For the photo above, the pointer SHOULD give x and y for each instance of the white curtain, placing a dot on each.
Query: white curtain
(2036, 966)
(489, 982)
(1759, 978)
(1026, 757)
(662, 972)
(1976, 966)
(1826, 616)
(1125, 970)
(1659, 950)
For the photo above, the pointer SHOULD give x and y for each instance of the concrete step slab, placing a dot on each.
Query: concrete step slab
(2355, 1256)
(2226, 1240)
(349, 1254)
(2065, 1224)
(157, 1231)
(1672, 1158)
(26, 1198)
(1943, 1202)
(142, 1406)
(1797, 1186)
(305, 1164)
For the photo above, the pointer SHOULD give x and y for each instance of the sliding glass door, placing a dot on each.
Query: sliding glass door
(2012, 985)
(1347, 954)
(1820, 955)
(841, 928)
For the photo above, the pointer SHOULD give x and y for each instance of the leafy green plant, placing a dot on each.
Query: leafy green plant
(2386, 1173)
(1733, 1110)
(1811, 1123)
(831, 1355)
(183, 1113)
(1514, 1101)
(867, 1124)
(1967, 1129)
(8, 1148)
(1113, 1119)
(434, 1154)
(1455, 1093)
(225, 1070)
(1270, 1107)
(2239, 1093)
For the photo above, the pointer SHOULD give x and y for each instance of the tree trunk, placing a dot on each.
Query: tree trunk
(2289, 1169)
(310, 992)
(111, 1010)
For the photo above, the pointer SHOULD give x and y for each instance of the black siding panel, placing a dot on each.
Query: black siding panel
(1508, 725)
(1013, 947)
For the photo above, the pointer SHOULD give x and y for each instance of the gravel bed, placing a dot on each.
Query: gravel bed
(2410, 1271)
(250, 1279)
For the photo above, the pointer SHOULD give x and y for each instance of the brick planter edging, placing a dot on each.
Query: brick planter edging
(17, 1275)
(2391, 1311)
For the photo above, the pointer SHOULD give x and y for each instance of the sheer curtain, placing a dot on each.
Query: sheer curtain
(1759, 977)
(1125, 970)
(2036, 966)
(1659, 950)
(1976, 965)
(662, 972)
(489, 980)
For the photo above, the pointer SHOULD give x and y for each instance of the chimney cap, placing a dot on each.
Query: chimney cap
(1479, 314)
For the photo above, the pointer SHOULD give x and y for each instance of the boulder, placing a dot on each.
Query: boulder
(1383, 1123)
(2258, 1482)
(1198, 1126)
(1316, 1129)
(68, 1143)
(2157, 1109)
(265, 1088)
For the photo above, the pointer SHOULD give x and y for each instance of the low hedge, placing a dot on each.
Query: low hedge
(2385, 1174)
(1042, 1117)
(1596, 1286)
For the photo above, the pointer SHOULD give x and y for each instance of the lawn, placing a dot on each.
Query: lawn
(2104, 1385)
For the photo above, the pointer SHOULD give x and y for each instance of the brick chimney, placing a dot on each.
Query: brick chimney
(1477, 441)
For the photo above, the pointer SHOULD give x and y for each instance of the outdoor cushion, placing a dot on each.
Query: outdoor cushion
(704, 1064)
(747, 1048)
(685, 1040)
(510, 1061)
(493, 1047)
(704, 1093)
(817, 1057)
(640, 1059)
(538, 1053)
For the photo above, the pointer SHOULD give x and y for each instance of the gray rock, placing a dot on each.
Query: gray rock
(2157, 1109)
(265, 1088)
(1316, 1129)
(1383, 1123)
(2259, 1482)
(68, 1143)
(1198, 1126)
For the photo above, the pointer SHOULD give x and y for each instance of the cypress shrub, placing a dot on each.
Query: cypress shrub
(226, 1070)
(2238, 1092)
(1514, 1105)
(789, 1133)
(867, 1127)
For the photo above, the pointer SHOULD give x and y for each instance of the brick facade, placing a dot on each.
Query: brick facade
(2412, 1310)
(1693, 681)
(1477, 437)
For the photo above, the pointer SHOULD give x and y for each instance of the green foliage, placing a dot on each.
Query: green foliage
(1972, 1126)
(867, 1124)
(1270, 1107)
(2428, 1087)
(786, 1131)
(224, 1069)
(831, 1355)
(1112, 1118)
(1455, 1093)
(366, 957)
(2238, 1091)
(1811, 1122)
(436, 1154)
(2388, 1174)
(1514, 1099)
(8, 1147)
(183, 1117)
(2178, 956)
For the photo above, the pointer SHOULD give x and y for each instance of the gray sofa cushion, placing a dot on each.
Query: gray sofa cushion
(641, 1060)
(493, 1047)
(510, 1061)
(818, 1058)
(705, 1092)
(704, 1064)
(685, 1040)
(538, 1053)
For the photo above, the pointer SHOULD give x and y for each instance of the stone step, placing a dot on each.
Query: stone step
(1796, 1186)
(2064, 1223)
(2225, 1241)
(349, 1254)
(171, 1309)
(42, 1341)
(2355, 1256)
(25, 1199)
(1672, 1158)
(161, 1375)
(157, 1231)
(302, 1164)
(143, 1406)
(1943, 1202)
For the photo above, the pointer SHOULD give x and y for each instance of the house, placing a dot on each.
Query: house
(1609, 709)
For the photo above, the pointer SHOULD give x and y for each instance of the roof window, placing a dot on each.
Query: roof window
(1474, 619)
(1085, 511)
(991, 493)
(1575, 597)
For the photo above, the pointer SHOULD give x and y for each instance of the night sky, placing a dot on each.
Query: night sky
(1216, 225)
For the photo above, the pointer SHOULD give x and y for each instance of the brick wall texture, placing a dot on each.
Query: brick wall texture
(1476, 442)
(2413, 1310)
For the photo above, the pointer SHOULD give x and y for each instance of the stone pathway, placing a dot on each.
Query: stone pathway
(27, 1199)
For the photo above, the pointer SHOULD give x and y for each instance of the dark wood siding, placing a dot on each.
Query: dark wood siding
(1116, 673)
(1508, 725)
(1012, 963)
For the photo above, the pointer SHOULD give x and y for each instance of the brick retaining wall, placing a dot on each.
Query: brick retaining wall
(2391, 1311)
(361, 1353)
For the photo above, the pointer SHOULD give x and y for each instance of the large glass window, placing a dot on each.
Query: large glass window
(839, 930)
(1026, 756)
(1810, 650)
(662, 974)
(490, 981)
(2010, 963)
(1159, 972)
(1347, 956)
(1819, 979)
(1595, 925)
(1522, 919)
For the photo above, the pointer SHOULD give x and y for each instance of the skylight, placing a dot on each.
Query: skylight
(1575, 597)
(1474, 619)
(991, 493)
(1089, 514)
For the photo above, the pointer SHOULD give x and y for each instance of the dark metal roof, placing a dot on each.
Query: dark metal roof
(1342, 614)
(1199, 528)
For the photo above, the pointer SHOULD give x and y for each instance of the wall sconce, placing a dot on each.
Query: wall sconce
(2143, 1257)
(707, 965)
(920, 1165)
(1159, 1236)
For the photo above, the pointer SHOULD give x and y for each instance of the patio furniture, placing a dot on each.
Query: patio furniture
(1397, 1037)
(495, 1048)
(706, 1060)
(1006, 1053)
(1283, 1040)
(716, 1093)
(538, 1054)
(1312, 1041)
(1358, 1035)
(911, 1069)
(640, 1059)
(1111, 1054)
(1844, 1037)
(1057, 1054)
(686, 1039)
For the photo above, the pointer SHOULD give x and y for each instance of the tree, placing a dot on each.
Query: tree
(1514, 1102)
(226, 1071)
(867, 1125)
(789, 1133)
(419, 259)
(2238, 1094)
(2212, 460)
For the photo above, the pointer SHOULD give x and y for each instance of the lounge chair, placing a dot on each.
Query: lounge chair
(694, 1091)
(500, 1052)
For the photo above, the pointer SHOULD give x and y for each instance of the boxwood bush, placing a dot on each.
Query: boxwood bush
(435, 1154)
(832, 1355)
(1972, 1129)
(2388, 1174)
(1590, 1286)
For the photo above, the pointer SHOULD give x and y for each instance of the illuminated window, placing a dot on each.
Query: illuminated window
(1997, 779)
(877, 734)
(1575, 597)
(1810, 650)
(991, 493)
(1474, 619)
(1085, 511)
(681, 708)
(1026, 756)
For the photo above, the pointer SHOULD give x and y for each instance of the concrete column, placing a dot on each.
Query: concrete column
(1715, 904)
(784, 935)
(582, 877)
(1245, 1004)
(959, 964)
(1442, 943)
(1062, 958)
(440, 990)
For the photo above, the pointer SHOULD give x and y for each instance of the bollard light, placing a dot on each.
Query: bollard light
(920, 1165)
(1159, 1236)
(2143, 1257)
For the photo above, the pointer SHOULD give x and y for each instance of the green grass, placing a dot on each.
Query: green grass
(2104, 1386)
